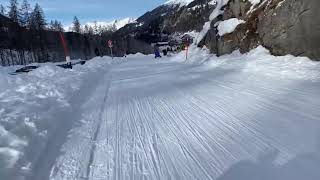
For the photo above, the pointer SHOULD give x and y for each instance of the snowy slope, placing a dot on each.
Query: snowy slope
(115, 23)
(179, 2)
(119, 23)
(30, 111)
(234, 117)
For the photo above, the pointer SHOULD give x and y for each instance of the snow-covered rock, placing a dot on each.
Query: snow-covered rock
(215, 13)
(228, 26)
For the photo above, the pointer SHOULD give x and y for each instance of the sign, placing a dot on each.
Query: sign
(187, 49)
(110, 44)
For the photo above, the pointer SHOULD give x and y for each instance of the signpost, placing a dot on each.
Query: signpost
(110, 45)
(66, 53)
(187, 49)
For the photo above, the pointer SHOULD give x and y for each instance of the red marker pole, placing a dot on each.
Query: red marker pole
(66, 53)
(187, 49)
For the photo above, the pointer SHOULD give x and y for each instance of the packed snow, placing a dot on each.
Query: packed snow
(228, 26)
(234, 117)
(30, 107)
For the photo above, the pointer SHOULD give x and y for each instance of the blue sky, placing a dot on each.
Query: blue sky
(90, 10)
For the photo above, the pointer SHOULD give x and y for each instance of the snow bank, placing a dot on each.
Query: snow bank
(28, 103)
(258, 61)
(228, 26)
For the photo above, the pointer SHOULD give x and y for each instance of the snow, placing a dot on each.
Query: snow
(228, 26)
(29, 106)
(254, 2)
(9, 156)
(118, 23)
(181, 3)
(234, 117)
(215, 13)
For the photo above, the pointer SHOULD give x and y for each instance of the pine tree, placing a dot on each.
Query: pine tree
(86, 29)
(37, 20)
(95, 28)
(2, 10)
(56, 26)
(13, 11)
(91, 31)
(114, 27)
(25, 11)
(76, 25)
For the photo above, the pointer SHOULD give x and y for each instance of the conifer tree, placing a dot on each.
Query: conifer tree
(25, 11)
(13, 11)
(76, 25)
(37, 19)
(56, 26)
(2, 10)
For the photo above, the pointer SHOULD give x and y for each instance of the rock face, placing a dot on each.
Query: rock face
(282, 26)
(292, 27)
(160, 23)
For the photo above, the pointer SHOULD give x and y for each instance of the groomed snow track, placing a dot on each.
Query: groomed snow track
(161, 120)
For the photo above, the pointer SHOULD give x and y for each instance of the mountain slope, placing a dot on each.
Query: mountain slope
(282, 26)
(114, 25)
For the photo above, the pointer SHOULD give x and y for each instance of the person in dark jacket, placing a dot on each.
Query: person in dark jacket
(97, 52)
(157, 52)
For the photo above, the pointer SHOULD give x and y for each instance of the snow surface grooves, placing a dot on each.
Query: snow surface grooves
(93, 148)
(162, 120)
(65, 119)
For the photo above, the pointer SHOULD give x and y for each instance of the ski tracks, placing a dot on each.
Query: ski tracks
(169, 123)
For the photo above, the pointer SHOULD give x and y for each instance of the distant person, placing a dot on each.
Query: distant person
(126, 54)
(165, 52)
(97, 52)
(157, 52)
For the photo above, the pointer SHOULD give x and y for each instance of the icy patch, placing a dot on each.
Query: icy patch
(228, 26)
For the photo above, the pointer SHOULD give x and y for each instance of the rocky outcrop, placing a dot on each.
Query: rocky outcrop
(282, 26)
(292, 27)
(168, 19)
